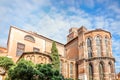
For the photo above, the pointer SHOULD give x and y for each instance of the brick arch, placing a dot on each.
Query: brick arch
(91, 70)
(89, 47)
(32, 58)
(44, 59)
(39, 59)
(29, 38)
(28, 58)
(107, 36)
(111, 66)
(90, 37)
(98, 35)
(91, 63)
(103, 63)
(101, 70)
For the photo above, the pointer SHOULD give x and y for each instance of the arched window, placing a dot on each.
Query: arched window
(89, 47)
(90, 72)
(29, 38)
(44, 60)
(39, 59)
(33, 58)
(28, 58)
(106, 46)
(110, 69)
(101, 71)
(98, 46)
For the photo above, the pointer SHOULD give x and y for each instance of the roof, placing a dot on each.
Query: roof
(32, 33)
(98, 30)
(34, 53)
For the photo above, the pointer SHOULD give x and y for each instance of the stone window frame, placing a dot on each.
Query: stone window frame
(35, 49)
(91, 71)
(106, 42)
(101, 70)
(98, 45)
(20, 49)
(89, 47)
(29, 38)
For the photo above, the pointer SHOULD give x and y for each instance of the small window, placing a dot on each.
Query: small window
(20, 49)
(29, 38)
(35, 49)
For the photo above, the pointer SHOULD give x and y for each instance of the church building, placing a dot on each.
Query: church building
(87, 55)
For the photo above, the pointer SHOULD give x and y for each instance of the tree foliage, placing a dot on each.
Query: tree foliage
(55, 57)
(26, 70)
(6, 62)
(23, 70)
(46, 72)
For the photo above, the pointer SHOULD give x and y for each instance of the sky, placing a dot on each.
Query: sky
(54, 18)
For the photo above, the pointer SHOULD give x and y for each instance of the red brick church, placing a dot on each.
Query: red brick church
(87, 55)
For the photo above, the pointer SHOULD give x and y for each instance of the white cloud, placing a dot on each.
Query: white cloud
(114, 8)
(29, 15)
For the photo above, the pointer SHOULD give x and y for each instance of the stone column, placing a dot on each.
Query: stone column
(63, 72)
(68, 69)
(113, 72)
(106, 71)
(103, 47)
(96, 70)
(110, 48)
(65, 68)
(94, 47)
(73, 70)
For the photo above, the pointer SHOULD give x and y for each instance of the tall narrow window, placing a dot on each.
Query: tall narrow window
(101, 71)
(20, 49)
(66, 72)
(106, 46)
(71, 70)
(110, 70)
(35, 49)
(89, 47)
(98, 46)
(90, 72)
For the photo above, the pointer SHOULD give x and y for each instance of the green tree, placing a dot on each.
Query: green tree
(6, 63)
(26, 70)
(23, 70)
(46, 72)
(55, 57)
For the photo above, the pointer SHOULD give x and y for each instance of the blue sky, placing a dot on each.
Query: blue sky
(53, 18)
